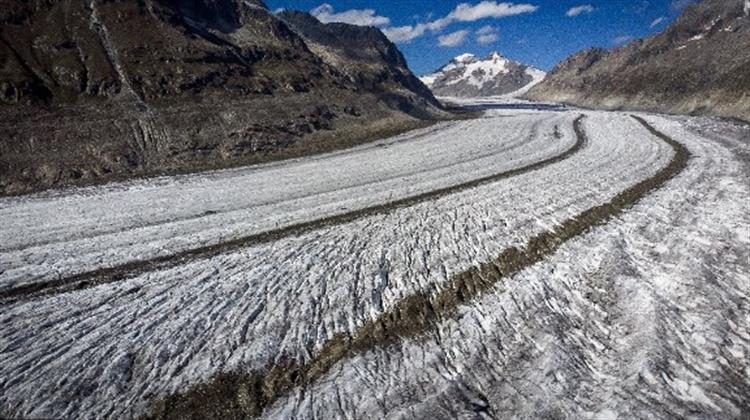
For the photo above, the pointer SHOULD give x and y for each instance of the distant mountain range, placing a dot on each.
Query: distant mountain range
(94, 91)
(467, 76)
(698, 65)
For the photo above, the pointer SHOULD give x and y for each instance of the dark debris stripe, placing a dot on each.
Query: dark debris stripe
(243, 394)
(131, 269)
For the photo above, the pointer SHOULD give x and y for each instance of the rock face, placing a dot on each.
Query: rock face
(466, 76)
(366, 57)
(700, 64)
(95, 90)
(71, 51)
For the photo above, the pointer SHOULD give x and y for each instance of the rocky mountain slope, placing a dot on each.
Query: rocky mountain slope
(467, 76)
(365, 56)
(93, 91)
(700, 64)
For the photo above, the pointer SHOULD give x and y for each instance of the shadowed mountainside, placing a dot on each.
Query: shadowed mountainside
(93, 91)
(366, 57)
(700, 64)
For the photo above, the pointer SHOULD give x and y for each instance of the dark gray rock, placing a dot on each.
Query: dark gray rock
(367, 58)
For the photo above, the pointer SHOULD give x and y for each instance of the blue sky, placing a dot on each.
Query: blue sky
(536, 32)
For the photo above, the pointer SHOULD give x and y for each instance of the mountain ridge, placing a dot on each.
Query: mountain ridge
(468, 76)
(364, 55)
(98, 91)
(694, 66)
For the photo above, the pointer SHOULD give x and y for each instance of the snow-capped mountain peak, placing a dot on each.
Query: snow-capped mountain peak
(495, 56)
(468, 76)
(465, 58)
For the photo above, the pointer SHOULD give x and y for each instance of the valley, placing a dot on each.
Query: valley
(147, 339)
(237, 209)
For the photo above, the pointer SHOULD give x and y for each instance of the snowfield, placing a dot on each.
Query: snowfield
(102, 227)
(645, 316)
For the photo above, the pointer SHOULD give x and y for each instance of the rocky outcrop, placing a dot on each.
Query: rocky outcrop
(366, 57)
(68, 51)
(467, 76)
(699, 65)
(93, 91)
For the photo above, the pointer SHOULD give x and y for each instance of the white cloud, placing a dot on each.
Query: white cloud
(464, 12)
(488, 39)
(365, 17)
(486, 29)
(622, 39)
(642, 8)
(578, 10)
(487, 35)
(657, 22)
(681, 4)
(453, 39)
(405, 33)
